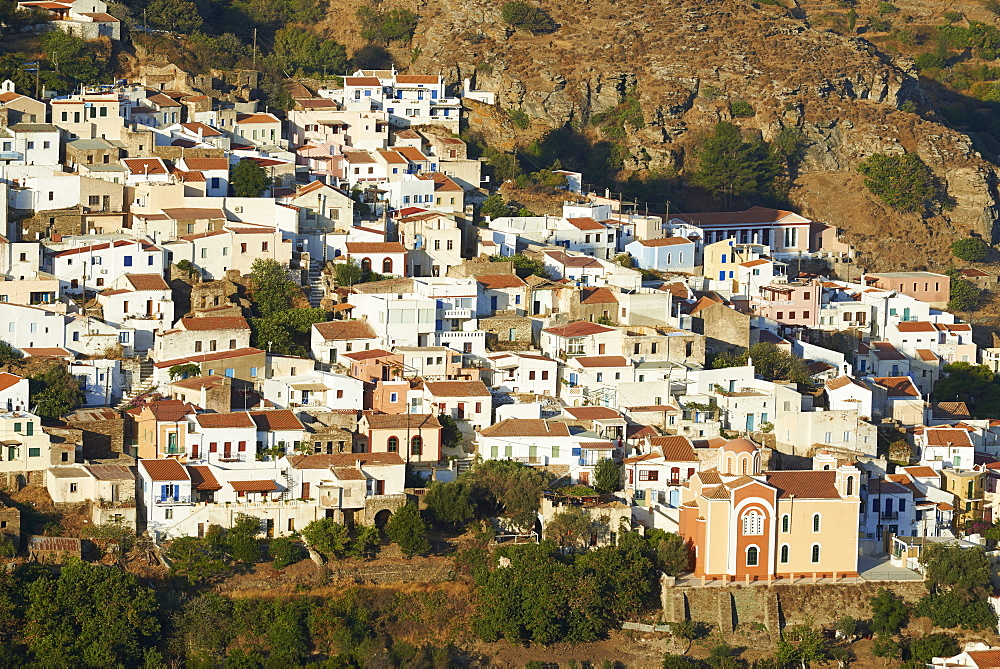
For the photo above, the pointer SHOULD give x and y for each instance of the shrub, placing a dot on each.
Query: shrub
(519, 119)
(740, 108)
(970, 249)
(903, 182)
(965, 296)
(284, 552)
(525, 16)
(929, 61)
(407, 529)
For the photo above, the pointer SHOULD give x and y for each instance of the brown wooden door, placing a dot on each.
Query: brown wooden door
(305, 490)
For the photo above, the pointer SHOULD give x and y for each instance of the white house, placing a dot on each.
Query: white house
(667, 254)
(13, 392)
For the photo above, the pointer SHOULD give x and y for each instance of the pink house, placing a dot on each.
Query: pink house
(795, 303)
(934, 289)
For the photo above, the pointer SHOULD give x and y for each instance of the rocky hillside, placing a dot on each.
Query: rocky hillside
(685, 60)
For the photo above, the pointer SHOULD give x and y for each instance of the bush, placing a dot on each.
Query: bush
(933, 645)
(394, 25)
(965, 296)
(903, 182)
(740, 108)
(285, 552)
(524, 16)
(970, 249)
(407, 530)
(519, 119)
(327, 536)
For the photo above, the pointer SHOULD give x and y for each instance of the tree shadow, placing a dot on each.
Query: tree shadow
(372, 57)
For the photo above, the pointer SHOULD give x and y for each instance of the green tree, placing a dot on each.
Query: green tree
(847, 627)
(607, 476)
(272, 290)
(889, 613)
(451, 435)
(327, 536)
(285, 551)
(302, 52)
(407, 530)
(198, 559)
(730, 167)
(78, 60)
(572, 526)
(185, 370)
(524, 265)
(55, 392)
(671, 553)
(494, 206)
(976, 385)
(393, 25)
(8, 353)
(174, 15)
(248, 179)
(365, 542)
(89, 616)
(970, 249)
(507, 488)
(525, 16)
(903, 182)
(241, 539)
(723, 656)
(952, 568)
(448, 504)
(964, 295)
(924, 649)
(886, 646)
(771, 362)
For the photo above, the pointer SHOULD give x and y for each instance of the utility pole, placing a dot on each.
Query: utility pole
(255, 48)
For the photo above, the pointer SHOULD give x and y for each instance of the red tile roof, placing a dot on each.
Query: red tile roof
(225, 420)
(7, 380)
(203, 164)
(202, 478)
(586, 224)
(839, 382)
(254, 486)
(675, 448)
(345, 330)
(164, 470)
(457, 388)
(326, 461)
(208, 357)
(920, 471)
(602, 361)
(748, 216)
(526, 427)
(915, 326)
(145, 165)
(257, 118)
(215, 323)
(147, 282)
(425, 421)
(48, 352)
(597, 296)
(578, 329)
(416, 79)
(592, 413)
(276, 419)
(498, 281)
(818, 484)
(947, 437)
(170, 411)
(361, 248)
(898, 386)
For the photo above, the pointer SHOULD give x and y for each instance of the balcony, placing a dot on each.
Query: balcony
(173, 499)
(10, 155)
(458, 313)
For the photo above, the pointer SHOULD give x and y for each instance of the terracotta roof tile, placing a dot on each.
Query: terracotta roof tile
(209, 357)
(147, 282)
(578, 329)
(804, 484)
(498, 281)
(597, 296)
(947, 437)
(215, 323)
(345, 330)
(164, 470)
(675, 448)
(8, 380)
(586, 224)
(356, 248)
(276, 419)
(898, 386)
(920, 471)
(526, 427)
(602, 361)
(202, 478)
(225, 420)
(457, 388)
(665, 241)
(327, 461)
(839, 382)
(592, 413)
(254, 486)
(423, 421)
(203, 164)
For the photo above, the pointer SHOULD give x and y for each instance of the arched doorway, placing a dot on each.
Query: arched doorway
(382, 518)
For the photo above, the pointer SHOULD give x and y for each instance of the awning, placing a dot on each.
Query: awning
(254, 486)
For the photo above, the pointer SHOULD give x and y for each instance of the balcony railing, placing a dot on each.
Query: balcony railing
(458, 313)
(173, 499)
(10, 155)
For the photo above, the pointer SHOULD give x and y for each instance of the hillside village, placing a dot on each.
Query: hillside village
(323, 315)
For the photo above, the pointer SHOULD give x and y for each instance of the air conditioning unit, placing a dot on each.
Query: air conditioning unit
(238, 210)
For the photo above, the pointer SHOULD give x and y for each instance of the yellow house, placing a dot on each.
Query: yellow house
(744, 525)
(968, 487)
(722, 258)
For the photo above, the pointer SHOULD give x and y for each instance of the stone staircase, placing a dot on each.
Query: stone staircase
(138, 386)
